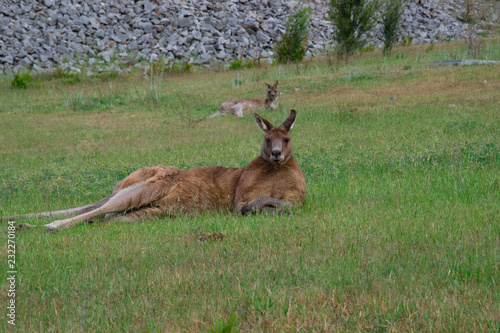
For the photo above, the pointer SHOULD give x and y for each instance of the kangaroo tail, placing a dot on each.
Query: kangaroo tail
(58, 213)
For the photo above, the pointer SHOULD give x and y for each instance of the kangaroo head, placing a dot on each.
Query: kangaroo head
(277, 146)
(272, 90)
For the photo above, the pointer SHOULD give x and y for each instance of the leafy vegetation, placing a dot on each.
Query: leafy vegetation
(291, 46)
(247, 63)
(21, 80)
(406, 42)
(399, 231)
(391, 18)
(154, 77)
(352, 19)
(466, 15)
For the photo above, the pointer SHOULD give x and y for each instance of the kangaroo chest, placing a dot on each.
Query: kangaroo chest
(274, 184)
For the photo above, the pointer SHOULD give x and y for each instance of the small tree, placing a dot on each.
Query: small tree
(292, 44)
(390, 21)
(466, 15)
(352, 20)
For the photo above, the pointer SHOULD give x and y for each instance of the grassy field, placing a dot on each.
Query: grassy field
(400, 230)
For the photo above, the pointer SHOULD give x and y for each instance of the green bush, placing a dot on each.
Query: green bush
(247, 63)
(292, 44)
(406, 42)
(22, 79)
(390, 21)
(237, 64)
(176, 67)
(60, 74)
(352, 19)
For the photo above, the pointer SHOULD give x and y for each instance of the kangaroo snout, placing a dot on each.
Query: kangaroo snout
(276, 152)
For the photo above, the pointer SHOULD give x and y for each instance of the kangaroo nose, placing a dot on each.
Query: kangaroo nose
(276, 152)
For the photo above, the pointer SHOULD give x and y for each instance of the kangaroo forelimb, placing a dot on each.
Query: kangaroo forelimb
(266, 204)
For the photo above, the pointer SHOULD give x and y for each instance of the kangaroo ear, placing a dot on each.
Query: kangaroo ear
(276, 84)
(268, 85)
(263, 124)
(288, 123)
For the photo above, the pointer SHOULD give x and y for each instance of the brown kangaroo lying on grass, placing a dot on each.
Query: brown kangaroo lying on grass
(239, 107)
(272, 182)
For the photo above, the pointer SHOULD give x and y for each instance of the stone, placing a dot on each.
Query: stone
(72, 12)
(43, 57)
(146, 27)
(262, 37)
(200, 49)
(266, 54)
(83, 20)
(197, 35)
(232, 45)
(37, 69)
(208, 30)
(8, 59)
(203, 59)
(116, 38)
(220, 24)
(222, 54)
(185, 22)
(106, 55)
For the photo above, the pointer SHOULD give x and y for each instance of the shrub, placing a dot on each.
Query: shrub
(474, 45)
(237, 64)
(352, 19)
(466, 15)
(406, 42)
(248, 63)
(292, 44)
(187, 67)
(154, 78)
(22, 79)
(390, 22)
(176, 67)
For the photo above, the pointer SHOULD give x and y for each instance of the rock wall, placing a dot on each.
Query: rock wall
(114, 34)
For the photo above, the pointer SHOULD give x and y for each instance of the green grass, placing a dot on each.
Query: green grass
(399, 231)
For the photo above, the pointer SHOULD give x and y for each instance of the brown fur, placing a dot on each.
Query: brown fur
(272, 182)
(239, 107)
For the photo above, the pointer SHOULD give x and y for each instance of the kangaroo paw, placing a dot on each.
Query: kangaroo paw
(52, 227)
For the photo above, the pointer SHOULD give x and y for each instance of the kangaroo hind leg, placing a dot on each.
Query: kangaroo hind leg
(141, 214)
(130, 198)
(237, 110)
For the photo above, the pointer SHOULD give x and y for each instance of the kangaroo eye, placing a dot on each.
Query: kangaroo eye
(268, 140)
(287, 140)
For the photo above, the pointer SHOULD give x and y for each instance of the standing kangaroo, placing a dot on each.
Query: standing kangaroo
(239, 107)
(272, 182)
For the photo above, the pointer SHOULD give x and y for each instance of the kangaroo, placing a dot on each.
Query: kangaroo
(239, 107)
(273, 182)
